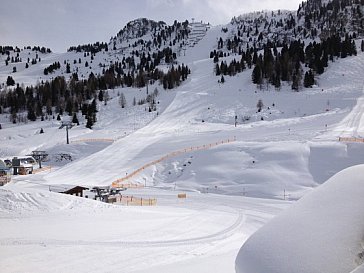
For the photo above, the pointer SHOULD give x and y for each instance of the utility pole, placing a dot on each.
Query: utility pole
(68, 141)
(147, 77)
(285, 195)
(68, 125)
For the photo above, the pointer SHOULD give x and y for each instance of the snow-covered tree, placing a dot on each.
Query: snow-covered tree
(260, 105)
(122, 100)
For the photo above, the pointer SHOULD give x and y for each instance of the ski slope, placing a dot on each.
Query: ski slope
(232, 189)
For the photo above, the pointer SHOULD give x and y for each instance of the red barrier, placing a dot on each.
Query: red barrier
(118, 182)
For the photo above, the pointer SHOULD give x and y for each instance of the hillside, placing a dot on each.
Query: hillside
(329, 221)
(152, 111)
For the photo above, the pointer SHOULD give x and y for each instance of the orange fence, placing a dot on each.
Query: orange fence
(92, 140)
(43, 169)
(130, 185)
(182, 196)
(132, 200)
(119, 182)
(351, 139)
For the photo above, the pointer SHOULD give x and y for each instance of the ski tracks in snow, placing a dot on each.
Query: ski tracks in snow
(217, 236)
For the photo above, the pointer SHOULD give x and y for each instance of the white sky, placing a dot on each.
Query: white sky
(60, 23)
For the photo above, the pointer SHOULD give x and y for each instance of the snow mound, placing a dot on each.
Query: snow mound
(16, 201)
(360, 269)
(323, 232)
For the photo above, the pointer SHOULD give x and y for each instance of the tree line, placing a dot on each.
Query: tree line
(91, 48)
(272, 66)
(57, 96)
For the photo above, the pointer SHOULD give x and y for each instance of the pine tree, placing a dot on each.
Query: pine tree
(296, 80)
(217, 70)
(10, 81)
(308, 80)
(75, 119)
(122, 100)
(277, 82)
(89, 123)
(101, 95)
(260, 105)
(353, 50)
(257, 75)
(13, 117)
(93, 107)
(31, 115)
(216, 59)
(69, 107)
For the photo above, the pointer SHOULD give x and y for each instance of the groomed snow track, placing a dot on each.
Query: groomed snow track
(221, 235)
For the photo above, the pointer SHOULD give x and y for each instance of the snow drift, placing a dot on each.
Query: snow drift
(323, 232)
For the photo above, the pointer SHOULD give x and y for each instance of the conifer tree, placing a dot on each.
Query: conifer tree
(257, 75)
(10, 81)
(89, 122)
(308, 80)
(217, 70)
(122, 100)
(260, 105)
(101, 95)
(31, 115)
(75, 119)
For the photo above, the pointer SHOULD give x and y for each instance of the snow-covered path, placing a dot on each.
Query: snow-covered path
(126, 239)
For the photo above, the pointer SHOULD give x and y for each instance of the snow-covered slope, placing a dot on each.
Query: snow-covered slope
(273, 158)
(322, 232)
(281, 157)
(43, 230)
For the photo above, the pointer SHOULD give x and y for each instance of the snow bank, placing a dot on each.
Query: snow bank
(323, 232)
(360, 269)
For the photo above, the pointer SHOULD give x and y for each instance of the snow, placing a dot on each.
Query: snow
(233, 189)
(134, 239)
(322, 232)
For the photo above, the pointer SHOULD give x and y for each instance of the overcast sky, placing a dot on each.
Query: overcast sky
(59, 24)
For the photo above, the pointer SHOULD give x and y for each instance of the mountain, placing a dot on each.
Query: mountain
(245, 120)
